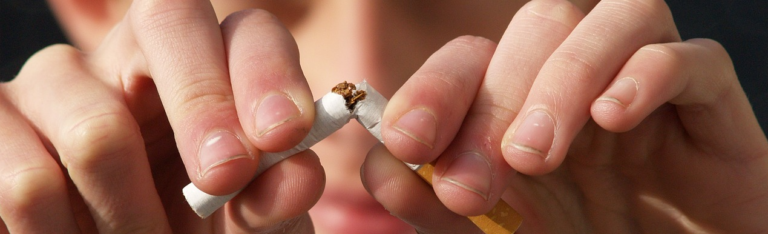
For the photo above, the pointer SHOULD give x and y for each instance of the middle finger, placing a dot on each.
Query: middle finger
(472, 174)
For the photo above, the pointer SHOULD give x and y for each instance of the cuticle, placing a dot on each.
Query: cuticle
(249, 154)
(551, 117)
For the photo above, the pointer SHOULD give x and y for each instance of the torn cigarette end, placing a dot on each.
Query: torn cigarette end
(350, 93)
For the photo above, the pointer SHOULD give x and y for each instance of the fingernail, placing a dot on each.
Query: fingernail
(535, 134)
(470, 171)
(419, 125)
(622, 92)
(220, 147)
(273, 111)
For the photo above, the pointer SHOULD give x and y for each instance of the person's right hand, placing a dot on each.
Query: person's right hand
(91, 142)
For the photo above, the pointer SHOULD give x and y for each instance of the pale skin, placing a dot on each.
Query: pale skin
(585, 117)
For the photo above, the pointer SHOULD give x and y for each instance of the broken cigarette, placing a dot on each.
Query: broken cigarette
(333, 111)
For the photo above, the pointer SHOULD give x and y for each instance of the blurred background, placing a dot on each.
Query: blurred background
(27, 26)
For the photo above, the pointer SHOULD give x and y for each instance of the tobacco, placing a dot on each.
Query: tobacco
(350, 93)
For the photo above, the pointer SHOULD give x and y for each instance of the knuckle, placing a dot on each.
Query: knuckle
(251, 17)
(720, 56)
(197, 93)
(30, 189)
(662, 56)
(564, 13)
(444, 82)
(472, 43)
(652, 12)
(494, 112)
(169, 16)
(101, 138)
(721, 78)
(660, 51)
(571, 59)
(61, 52)
(54, 53)
(58, 54)
(714, 47)
(255, 16)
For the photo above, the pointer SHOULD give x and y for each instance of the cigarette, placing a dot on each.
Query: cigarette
(345, 102)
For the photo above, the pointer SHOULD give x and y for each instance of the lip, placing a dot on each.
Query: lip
(342, 212)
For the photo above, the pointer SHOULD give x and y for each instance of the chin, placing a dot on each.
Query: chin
(345, 206)
(348, 213)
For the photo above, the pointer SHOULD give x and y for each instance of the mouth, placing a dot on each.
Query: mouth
(343, 212)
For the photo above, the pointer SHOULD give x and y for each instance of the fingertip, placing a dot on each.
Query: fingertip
(379, 161)
(385, 177)
(411, 136)
(407, 197)
(612, 110)
(423, 117)
(225, 165)
(227, 177)
(281, 120)
(274, 111)
(272, 198)
(529, 146)
(523, 161)
(464, 182)
(611, 116)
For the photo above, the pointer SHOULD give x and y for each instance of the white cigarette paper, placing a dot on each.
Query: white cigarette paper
(331, 113)
(369, 111)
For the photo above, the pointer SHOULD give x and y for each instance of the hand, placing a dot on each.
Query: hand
(672, 144)
(88, 139)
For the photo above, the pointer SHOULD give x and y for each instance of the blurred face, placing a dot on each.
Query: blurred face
(383, 42)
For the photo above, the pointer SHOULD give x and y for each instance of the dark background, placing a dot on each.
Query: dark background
(27, 26)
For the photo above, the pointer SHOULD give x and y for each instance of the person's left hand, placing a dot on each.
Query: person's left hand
(672, 145)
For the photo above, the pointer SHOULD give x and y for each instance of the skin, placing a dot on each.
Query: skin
(101, 138)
